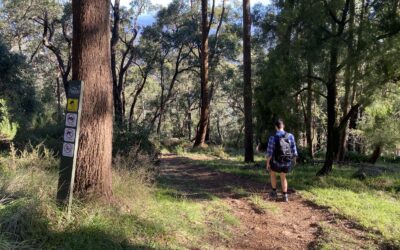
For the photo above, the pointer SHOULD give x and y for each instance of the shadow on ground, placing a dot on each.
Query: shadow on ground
(23, 226)
(183, 176)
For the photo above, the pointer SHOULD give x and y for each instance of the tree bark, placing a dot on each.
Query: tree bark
(204, 113)
(92, 64)
(247, 86)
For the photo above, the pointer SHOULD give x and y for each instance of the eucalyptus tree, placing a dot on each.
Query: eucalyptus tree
(207, 20)
(42, 31)
(124, 32)
(92, 64)
(247, 85)
(171, 52)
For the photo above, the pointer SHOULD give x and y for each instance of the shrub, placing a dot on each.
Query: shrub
(134, 143)
(355, 157)
(304, 155)
(8, 129)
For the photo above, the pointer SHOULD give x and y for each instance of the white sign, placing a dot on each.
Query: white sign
(68, 149)
(69, 134)
(71, 120)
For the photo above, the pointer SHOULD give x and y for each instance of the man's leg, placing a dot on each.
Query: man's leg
(284, 185)
(273, 184)
(273, 179)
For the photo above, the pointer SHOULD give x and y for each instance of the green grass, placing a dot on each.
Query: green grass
(142, 215)
(373, 203)
(330, 238)
(260, 204)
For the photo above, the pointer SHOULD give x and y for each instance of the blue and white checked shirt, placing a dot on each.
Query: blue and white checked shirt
(271, 148)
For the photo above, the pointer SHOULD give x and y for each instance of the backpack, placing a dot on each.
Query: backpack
(283, 151)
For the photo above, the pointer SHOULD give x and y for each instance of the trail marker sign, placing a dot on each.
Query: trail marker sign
(70, 143)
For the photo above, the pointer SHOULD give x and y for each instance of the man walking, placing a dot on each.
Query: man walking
(281, 155)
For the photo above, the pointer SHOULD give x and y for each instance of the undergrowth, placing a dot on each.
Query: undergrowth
(140, 216)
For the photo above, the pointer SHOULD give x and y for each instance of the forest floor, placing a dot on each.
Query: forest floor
(263, 224)
(198, 200)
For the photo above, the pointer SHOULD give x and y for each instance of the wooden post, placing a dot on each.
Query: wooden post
(70, 143)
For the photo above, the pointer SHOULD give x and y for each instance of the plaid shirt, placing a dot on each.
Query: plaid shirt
(271, 148)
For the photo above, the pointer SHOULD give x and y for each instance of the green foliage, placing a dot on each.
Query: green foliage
(381, 123)
(355, 157)
(8, 129)
(304, 155)
(16, 86)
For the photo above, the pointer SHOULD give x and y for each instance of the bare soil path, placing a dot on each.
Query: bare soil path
(296, 224)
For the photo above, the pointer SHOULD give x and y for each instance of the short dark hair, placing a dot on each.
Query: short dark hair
(279, 123)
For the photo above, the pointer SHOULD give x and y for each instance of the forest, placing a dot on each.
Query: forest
(174, 120)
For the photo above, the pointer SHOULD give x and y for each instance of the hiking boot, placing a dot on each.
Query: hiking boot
(273, 195)
(285, 198)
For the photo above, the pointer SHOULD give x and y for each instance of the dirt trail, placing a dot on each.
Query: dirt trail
(294, 226)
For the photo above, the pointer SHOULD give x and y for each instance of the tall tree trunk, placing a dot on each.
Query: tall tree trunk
(91, 64)
(331, 109)
(337, 28)
(348, 78)
(207, 140)
(118, 105)
(204, 115)
(375, 154)
(309, 115)
(247, 86)
(135, 98)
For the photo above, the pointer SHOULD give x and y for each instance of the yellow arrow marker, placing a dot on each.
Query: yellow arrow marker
(72, 105)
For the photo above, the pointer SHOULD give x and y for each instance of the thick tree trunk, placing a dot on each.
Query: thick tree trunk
(247, 86)
(91, 64)
(204, 114)
(375, 154)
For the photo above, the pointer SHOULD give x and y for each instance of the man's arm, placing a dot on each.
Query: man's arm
(270, 151)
